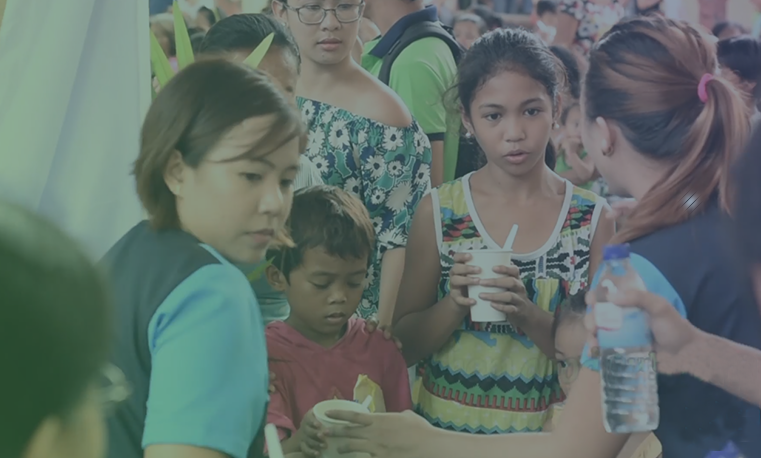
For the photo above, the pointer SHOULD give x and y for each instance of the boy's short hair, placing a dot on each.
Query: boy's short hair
(574, 306)
(325, 217)
(546, 6)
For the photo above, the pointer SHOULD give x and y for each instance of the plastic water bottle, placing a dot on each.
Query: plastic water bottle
(627, 361)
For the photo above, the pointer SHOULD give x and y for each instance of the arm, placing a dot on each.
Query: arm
(392, 268)
(579, 434)
(684, 349)
(569, 20)
(437, 163)
(730, 366)
(207, 340)
(422, 322)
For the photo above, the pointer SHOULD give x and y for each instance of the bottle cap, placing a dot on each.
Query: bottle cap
(613, 252)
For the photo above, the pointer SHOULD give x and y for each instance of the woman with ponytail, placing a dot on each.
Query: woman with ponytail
(662, 127)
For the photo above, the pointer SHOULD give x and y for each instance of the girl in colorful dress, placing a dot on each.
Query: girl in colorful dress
(493, 378)
(362, 138)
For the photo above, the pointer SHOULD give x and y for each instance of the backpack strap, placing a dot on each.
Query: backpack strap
(415, 32)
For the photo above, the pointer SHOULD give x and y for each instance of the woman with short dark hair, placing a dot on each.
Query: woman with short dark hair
(218, 158)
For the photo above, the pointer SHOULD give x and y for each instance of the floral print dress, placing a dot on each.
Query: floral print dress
(387, 167)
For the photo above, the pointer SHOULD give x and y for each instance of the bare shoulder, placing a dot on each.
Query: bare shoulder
(424, 208)
(380, 103)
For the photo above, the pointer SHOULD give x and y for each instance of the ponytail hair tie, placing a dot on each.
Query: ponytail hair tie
(702, 90)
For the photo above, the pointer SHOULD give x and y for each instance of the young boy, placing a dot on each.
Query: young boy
(320, 352)
(570, 336)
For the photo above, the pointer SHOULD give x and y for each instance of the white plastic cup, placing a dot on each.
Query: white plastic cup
(334, 443)
(487, 260)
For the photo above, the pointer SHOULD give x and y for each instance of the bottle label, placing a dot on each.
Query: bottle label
(622, 327)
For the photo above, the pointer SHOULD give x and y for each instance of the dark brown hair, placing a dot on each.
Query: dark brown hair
(246, 32)
(643, 76)
(193, 112)
(55, 326)
(325, 217)
(515, 50)
(574, 307)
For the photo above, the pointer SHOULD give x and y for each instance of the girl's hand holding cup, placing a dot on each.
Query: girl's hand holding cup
(460, 278)
(513, 302)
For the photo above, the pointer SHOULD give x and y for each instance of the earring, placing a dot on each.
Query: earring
(607, 150)
(468, 134)
(555, 125)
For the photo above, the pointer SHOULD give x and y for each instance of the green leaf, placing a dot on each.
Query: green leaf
(160, 63)
(257, 273)
(255, 58)
(182, 38)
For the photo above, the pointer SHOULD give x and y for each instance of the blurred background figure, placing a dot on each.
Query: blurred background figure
(55, 331)
(728, 29)
(582, 22)
(468, 28)
(547, 20)
(162, 26)
(740, 60)
(712, 12)
(205, 18)
(493, 21)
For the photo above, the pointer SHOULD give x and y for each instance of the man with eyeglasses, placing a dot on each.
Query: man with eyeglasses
(421, 74)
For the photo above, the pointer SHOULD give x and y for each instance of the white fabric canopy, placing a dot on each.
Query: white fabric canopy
(74, 88)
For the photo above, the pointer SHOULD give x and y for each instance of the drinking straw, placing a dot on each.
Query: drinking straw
(511, 238)
(273, 442)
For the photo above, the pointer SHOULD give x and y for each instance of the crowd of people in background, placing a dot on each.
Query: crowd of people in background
(310, 222)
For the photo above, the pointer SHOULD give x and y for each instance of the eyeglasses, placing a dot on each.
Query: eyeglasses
(114, 388)
(346, 13)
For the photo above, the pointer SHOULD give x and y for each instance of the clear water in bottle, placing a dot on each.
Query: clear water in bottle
(627, 361)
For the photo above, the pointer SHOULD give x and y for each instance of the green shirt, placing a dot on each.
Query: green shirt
(422, 75)
(562, 166)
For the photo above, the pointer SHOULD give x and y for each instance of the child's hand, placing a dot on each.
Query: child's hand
(460, 278)
(513, 301)
(271, 388)
(371, 325)
(572, 146)
(312, 436)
